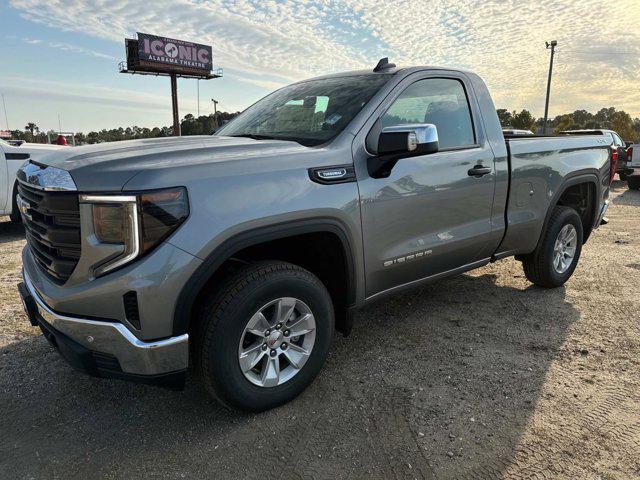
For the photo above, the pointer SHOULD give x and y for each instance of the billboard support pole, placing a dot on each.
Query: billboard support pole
(174, 104)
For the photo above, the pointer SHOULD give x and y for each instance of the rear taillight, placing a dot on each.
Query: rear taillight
(630, 154)
(614, 162)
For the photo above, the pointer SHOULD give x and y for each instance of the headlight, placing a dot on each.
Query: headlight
(134, 224)
(161, 212)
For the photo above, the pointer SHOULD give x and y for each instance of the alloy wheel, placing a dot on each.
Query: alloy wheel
(277, 341)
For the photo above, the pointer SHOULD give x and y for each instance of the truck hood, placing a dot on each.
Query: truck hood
(108, 166)
(41, 146)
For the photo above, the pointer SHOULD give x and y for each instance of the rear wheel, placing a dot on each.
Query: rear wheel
(265, 336)
(634, 182)
(557, 254)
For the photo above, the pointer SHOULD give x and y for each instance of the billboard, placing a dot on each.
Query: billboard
(161, 54)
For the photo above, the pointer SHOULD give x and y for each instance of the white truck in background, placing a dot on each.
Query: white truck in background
(11, 158)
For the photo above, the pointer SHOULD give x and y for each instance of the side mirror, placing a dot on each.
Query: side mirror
(393, 143)
(412, 139)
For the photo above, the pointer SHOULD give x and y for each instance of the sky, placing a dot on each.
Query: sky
(60, 60)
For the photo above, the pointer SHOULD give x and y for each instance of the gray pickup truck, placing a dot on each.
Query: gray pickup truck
(242, 252)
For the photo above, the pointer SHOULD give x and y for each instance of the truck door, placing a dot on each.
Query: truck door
(433, 212)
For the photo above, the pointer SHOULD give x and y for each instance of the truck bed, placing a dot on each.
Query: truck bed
(538, 167)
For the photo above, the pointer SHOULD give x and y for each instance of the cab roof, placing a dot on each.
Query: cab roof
(387, 71)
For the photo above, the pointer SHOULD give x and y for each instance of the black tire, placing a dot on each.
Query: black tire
(623, 176)
(15, 216)
(633, 182)
(223, 320)
(538, 266)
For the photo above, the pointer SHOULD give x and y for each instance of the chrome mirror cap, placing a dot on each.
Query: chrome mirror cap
(409, 139)
(417, 134)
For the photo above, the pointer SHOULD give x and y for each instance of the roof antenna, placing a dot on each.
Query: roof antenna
(384, 64)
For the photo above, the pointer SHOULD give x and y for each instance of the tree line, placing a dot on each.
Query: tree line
(607, 118)
(610, 118)
(189, 125)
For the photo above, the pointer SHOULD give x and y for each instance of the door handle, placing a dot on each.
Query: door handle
(478, 171)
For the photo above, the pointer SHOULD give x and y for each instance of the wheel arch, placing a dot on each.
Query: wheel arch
(213, 263)
(12, 205)
(589, 178)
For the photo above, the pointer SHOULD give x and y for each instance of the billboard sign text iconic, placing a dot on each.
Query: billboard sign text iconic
(167, 54)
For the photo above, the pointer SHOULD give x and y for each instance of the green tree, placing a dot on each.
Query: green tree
(564, 122)
(603, 117)
(32, 128)
(504, 116)
(523, 120)
(622, 123)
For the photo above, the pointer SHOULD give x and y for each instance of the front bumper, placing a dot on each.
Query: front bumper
(601, 216)
(108, 349)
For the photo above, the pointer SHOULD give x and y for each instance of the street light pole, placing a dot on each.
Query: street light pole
(215, 111)
(551, 45)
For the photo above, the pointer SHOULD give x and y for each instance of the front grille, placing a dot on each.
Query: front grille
(52, 226)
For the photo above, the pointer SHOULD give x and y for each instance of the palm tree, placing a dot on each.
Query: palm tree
(32, 127)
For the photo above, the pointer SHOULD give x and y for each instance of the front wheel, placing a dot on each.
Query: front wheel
(557, 254)
(15, 215)
(265, 336)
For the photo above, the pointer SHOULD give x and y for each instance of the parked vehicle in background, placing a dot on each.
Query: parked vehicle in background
(633, 157)
(619, 149)
(515, 131)
(11, 158)
(246, 249)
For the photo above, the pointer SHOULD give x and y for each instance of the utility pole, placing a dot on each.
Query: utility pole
(198, 98)
(4, 106)
(215, 111)
(551, 45)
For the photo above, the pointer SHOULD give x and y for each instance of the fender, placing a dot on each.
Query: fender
(188, 294)
(581, 176)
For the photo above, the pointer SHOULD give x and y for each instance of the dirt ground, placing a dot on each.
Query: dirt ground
(479, 376)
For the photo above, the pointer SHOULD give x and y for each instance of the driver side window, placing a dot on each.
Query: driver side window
(440, 101)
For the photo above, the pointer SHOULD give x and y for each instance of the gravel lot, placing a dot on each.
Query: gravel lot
(479, 376)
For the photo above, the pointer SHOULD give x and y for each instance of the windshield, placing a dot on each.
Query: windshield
(310, 113)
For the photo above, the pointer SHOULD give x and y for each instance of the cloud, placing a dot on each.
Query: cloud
(85, 93)
(270, 43)
(67, 47)
(84, 106)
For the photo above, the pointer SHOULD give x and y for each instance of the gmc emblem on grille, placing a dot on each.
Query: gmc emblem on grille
(23, 206)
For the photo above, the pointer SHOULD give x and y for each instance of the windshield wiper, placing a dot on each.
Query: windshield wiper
(255, 136)
(269, 137)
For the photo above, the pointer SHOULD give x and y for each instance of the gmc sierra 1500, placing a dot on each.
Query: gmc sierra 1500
(246, 249)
